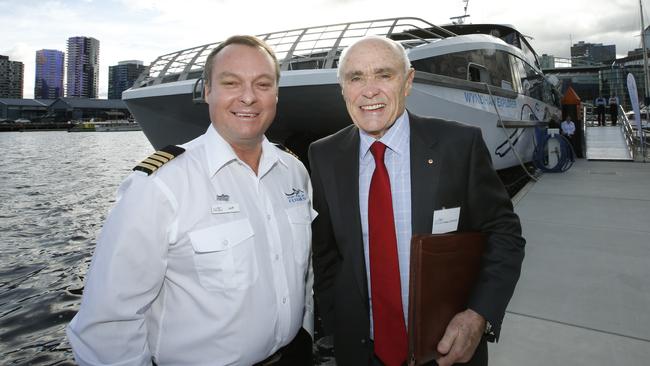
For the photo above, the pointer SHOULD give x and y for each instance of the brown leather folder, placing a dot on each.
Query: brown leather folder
(444, 269)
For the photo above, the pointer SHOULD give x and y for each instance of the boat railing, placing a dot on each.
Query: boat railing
(636, 140)
(297, 49)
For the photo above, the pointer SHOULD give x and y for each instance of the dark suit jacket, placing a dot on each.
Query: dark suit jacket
(461, 175)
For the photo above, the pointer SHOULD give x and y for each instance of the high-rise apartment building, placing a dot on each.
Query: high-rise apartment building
(48, 83)
(82, 67)
(11, 78)
(122, 76)
(584, 54)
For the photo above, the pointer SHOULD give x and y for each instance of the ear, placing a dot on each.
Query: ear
(409, 81)
(206, 92)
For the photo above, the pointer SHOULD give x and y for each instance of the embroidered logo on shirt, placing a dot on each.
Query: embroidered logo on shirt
(297, 195)
(223, 197)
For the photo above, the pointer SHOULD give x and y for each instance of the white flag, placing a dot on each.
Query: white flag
(634, 98)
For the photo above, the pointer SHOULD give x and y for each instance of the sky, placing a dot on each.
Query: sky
(145, 29)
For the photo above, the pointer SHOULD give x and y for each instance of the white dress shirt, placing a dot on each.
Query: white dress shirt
(201, 263)
(568, 127)
(398, 163)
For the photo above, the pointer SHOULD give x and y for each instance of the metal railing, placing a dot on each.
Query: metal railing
(297, 49)
(637, 141)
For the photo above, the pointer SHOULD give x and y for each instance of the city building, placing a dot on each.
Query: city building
(584, 80)
(586, 54)
(547, 61)
(62, 109)
(26, 109)
(48, 83)
(122, 76)
(11, 78)
(591, 81)
(85, 109)
(82, 67)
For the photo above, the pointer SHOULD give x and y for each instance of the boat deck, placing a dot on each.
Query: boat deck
(606, 143)
(584, 294)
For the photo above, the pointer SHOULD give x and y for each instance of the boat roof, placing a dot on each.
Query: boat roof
(319, 47)
(296, 49)
(462, 43)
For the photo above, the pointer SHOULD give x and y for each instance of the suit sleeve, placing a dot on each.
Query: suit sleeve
(326, 259)
(491, 211)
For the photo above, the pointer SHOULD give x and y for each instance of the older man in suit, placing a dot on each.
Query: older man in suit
(378, 182)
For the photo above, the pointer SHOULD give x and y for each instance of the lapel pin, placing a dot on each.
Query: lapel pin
(430, 161)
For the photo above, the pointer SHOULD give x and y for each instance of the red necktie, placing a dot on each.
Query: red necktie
(387, 314)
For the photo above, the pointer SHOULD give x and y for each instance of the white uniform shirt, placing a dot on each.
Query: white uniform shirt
(201, 263)
(568, 127)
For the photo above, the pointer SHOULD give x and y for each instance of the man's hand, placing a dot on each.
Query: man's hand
(461, 338)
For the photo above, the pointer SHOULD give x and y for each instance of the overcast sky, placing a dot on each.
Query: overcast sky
(145, 29)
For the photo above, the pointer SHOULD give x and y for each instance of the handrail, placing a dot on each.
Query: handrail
(316, 47)
(628, 132)
(639, 147)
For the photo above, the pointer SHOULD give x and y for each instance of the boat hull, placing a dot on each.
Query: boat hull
(309, 112)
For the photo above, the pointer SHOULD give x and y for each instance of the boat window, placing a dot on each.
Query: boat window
(478, 73)
(531, 80)
(485, 65)
(534, 85)
(529, 54)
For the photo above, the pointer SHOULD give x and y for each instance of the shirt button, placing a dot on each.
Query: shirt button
(225, 243)
(277, 257)
(284, 300)
(268, 217)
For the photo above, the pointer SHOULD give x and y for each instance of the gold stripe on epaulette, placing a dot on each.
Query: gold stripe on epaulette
(158, 158)
(151, 161)
(153, 168)
(164, 154)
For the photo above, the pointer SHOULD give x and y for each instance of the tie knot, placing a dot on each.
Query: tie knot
(378, 149)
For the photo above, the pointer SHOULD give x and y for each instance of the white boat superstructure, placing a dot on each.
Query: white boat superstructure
(463, 72)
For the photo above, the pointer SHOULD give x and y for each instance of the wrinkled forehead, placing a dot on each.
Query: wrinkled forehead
(372, 54)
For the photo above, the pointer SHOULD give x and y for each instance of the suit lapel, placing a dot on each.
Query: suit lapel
(347, 163)
(425, 172)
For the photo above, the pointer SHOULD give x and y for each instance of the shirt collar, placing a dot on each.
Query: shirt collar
(220, 153)
(396, 138)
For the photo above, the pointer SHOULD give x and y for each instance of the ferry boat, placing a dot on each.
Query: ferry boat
(484, 75)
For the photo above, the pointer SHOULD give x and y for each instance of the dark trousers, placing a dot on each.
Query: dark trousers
(613, 111)
(297, 353)
(600, 110)
(480, 357)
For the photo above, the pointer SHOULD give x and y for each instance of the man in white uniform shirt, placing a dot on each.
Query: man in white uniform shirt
(205, 259)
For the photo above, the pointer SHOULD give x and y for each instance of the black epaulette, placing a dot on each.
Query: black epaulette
(286, 149)
(159, 158)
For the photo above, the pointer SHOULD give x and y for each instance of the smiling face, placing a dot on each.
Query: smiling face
(242, 94)
(375, 84)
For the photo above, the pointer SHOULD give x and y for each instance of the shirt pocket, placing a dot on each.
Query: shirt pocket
(224, 255)
(300, 222)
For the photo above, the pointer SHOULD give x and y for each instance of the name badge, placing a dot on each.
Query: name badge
(445, 220)
(222, 208)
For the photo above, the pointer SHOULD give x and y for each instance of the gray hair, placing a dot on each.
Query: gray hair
(396, 46)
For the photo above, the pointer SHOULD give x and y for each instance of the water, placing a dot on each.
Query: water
(55, 191)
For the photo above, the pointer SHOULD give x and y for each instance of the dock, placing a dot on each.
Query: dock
(607, 143)
(584, 293)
